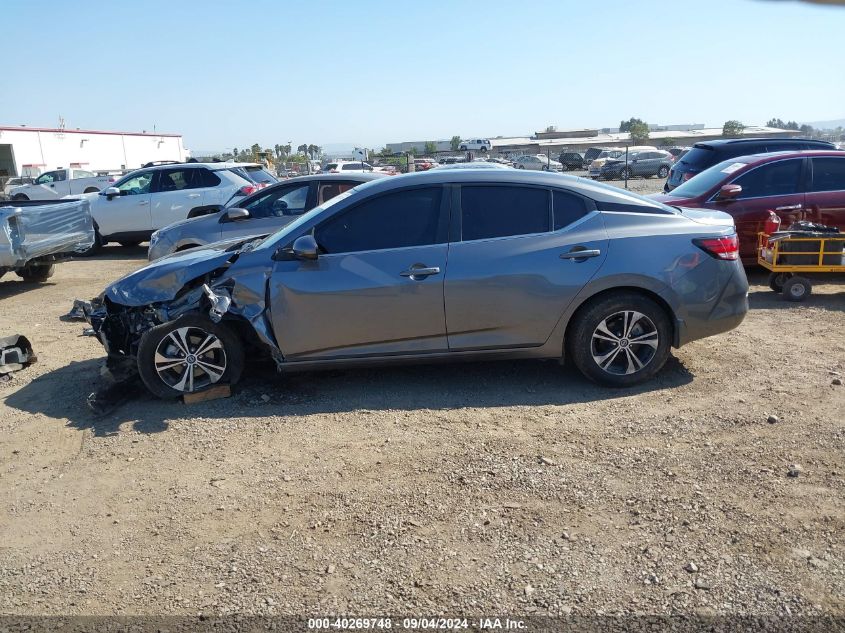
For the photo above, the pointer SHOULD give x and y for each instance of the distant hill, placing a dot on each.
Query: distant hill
(827, 125)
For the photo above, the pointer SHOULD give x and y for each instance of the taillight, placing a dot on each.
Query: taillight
(772, 224)
(720, 247)
(247, 190)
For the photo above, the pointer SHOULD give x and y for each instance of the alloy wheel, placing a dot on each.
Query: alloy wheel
(624, 342)
(189, 359)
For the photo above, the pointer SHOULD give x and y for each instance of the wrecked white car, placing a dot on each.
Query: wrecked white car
(36, 234)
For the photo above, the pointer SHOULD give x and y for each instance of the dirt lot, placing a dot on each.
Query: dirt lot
(484, 488)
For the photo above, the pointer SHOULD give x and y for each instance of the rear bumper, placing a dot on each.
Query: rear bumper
(714, 299)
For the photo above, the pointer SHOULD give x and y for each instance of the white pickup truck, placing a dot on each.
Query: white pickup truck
(59, 183)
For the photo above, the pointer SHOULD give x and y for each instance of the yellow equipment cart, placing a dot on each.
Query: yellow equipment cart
(792, 256)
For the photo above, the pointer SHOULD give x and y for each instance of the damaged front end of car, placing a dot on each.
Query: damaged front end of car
(204, 282)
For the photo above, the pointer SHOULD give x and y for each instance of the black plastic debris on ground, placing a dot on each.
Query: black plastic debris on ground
(77, 312)
(15, 354)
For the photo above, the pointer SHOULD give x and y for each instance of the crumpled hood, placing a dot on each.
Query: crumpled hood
(162, 279)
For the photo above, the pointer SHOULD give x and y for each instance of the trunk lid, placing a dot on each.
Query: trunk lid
(707, 217)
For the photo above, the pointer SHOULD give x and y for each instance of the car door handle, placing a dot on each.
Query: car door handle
(193, 195)
(581, 254)
(420, 271)
(143, 203)
(789, 207)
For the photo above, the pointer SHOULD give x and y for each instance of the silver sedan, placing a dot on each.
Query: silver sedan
(443, 265)
(261, 213)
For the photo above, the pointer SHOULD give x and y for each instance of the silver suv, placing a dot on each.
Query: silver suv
(443, 265)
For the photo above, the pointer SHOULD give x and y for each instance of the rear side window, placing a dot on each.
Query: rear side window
(771, 179)
(568, 208)
(700, 158)
(396, 220)
(488, 212)
(259, 175)
(207, 178)
(331, 166)
(828, 174)
(352, 167)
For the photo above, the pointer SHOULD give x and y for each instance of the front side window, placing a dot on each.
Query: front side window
(46, 178)
(279, 202)
(396, 220)
(828, 174)
(136, 184)
(772, 179)
(493, 211)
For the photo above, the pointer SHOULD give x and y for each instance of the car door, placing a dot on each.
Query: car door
(377, 286)
(128, 212)
(774, 186)
(825, 198)
(516, 267)
(49, 185)
(177, 190)
(270, 210)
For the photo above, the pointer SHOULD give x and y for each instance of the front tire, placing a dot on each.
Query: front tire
(37, 273)
(797, 289)
(663, 172)
(91, 190)
(621, 339)
(188, 355)
(625, 174)
(129, 243)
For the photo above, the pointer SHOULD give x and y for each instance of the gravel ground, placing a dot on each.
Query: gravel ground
(480, 488)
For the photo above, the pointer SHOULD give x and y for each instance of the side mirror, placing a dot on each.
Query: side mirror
(110, 192)
(305, 247)
(234, 214)
(729, 192)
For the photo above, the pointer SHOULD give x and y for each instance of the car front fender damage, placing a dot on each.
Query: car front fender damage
(120, 327)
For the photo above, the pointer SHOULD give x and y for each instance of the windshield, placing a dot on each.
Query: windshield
(709, 178)
(274, 239)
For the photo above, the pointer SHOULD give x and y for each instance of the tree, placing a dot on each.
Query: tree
(639, 133)
(314, 151)
(430, 147)
(256, 149)
(732, 129)
(414, 151)
(234, 152)
(807, 130)
(779, 123)
(455, 143)
(625, 126)
(302, 149)
(668, 142)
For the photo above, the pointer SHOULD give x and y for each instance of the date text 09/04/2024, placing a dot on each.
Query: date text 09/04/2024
(423, 623)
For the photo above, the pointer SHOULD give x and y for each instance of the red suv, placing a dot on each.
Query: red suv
(804, 185)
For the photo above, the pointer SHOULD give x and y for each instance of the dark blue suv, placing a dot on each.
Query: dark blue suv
(707, 154)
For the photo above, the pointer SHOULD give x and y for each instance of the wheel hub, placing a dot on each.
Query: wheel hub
(624, 342)
(189, 359)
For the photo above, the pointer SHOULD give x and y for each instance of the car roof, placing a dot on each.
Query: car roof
(597, 191)
(764, 157)
(360, 177)
(720, 142)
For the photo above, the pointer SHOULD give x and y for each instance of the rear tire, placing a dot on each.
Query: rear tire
(663, 172)
(20, 197)
(625, 174)
(776, 281)
(37, 273)
(169, 368)
(620, 339)
(797, 289)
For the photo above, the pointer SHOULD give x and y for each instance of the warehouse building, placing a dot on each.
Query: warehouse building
(27, 151)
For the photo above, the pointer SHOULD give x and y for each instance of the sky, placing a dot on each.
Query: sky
(229, 74)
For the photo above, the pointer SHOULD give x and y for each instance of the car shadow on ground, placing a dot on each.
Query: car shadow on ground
(116, 252)
(263, 392)
(11, 285)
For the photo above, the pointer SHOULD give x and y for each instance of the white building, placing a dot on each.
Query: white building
(26, 151)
